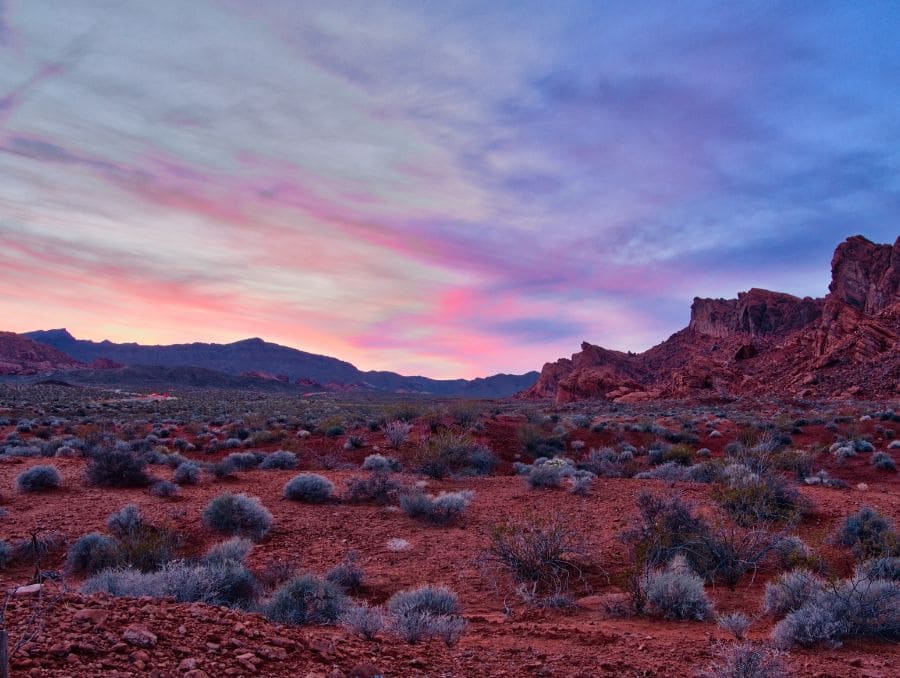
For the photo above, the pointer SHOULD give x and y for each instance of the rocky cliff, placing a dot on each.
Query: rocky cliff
(22, 356)
(762, 343)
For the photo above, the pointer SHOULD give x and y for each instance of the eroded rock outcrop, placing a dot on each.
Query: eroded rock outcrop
(762, 343)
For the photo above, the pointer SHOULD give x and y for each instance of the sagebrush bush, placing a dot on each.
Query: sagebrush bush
(238, 515)
(884, 462)
(445, 453)
(125, 522)
(443, 509)
(242, 461)
(363, 620)
(306, 599)
(747, 661)
(675, 592)
(279, 460)
(141, 545)
(381, 463)
(38, 479)
(165, 489)
(347, 576)
(187, 473)
(396, 433)
(92, 553)
(6, 553)
(235, 549)
(790, 591)
(869, 534)
(378, 487)
(309, 487)
(426, 612)
(759, 498)
(879, 568)
(539, 554)
(117, 468)
(852, 608)
(227, 583)
(735, 623)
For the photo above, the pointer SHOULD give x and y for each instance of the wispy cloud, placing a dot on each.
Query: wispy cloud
(452, 188)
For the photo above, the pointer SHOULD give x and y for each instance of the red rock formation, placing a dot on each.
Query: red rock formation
(21, 355)
(762, 343)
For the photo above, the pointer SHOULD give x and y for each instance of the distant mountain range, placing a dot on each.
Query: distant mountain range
(247, 363)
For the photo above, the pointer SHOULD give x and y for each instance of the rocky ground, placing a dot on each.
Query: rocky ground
(70, 634)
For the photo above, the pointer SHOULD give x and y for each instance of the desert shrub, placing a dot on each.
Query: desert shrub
(354, 442)
(144, 546)
(792, 553)
(396, 433)
(306, 599)
(535, 442)
(227, 583)
(238, 515)
(669, 471)
(34, 549)
(379, 462)
(363, 620)
(117, 468)
(279, 460)
(884, 462)
(482, 460)
(309, 487)
(187, 473)
(445, 453)
(755, 498)
(235, 549)
(378, 487)
(224, 468)
(747, 661)
(879, 568)
(735, 623)
(6, 553)
(852, 608)
(242, 461)
(541, 555)
(800, 463)
(580, 483)
(674, 592)
(91, 553)
(165, 489)
(546, 476)
(426, 612)
(790, 591)
(38, 479)
(669, 527)
(679, 454)
(347, 576)
(125, 522)
(869, 534)
(608, 463)
(443, 509)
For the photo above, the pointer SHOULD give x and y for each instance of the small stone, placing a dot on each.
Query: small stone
(139, 635)
(29, 590)
(92, 615)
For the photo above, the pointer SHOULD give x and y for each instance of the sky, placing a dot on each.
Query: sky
(451, 189)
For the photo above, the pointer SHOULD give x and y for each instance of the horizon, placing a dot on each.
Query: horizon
(447, 190)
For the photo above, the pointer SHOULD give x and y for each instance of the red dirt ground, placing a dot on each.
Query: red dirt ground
(504, 637)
